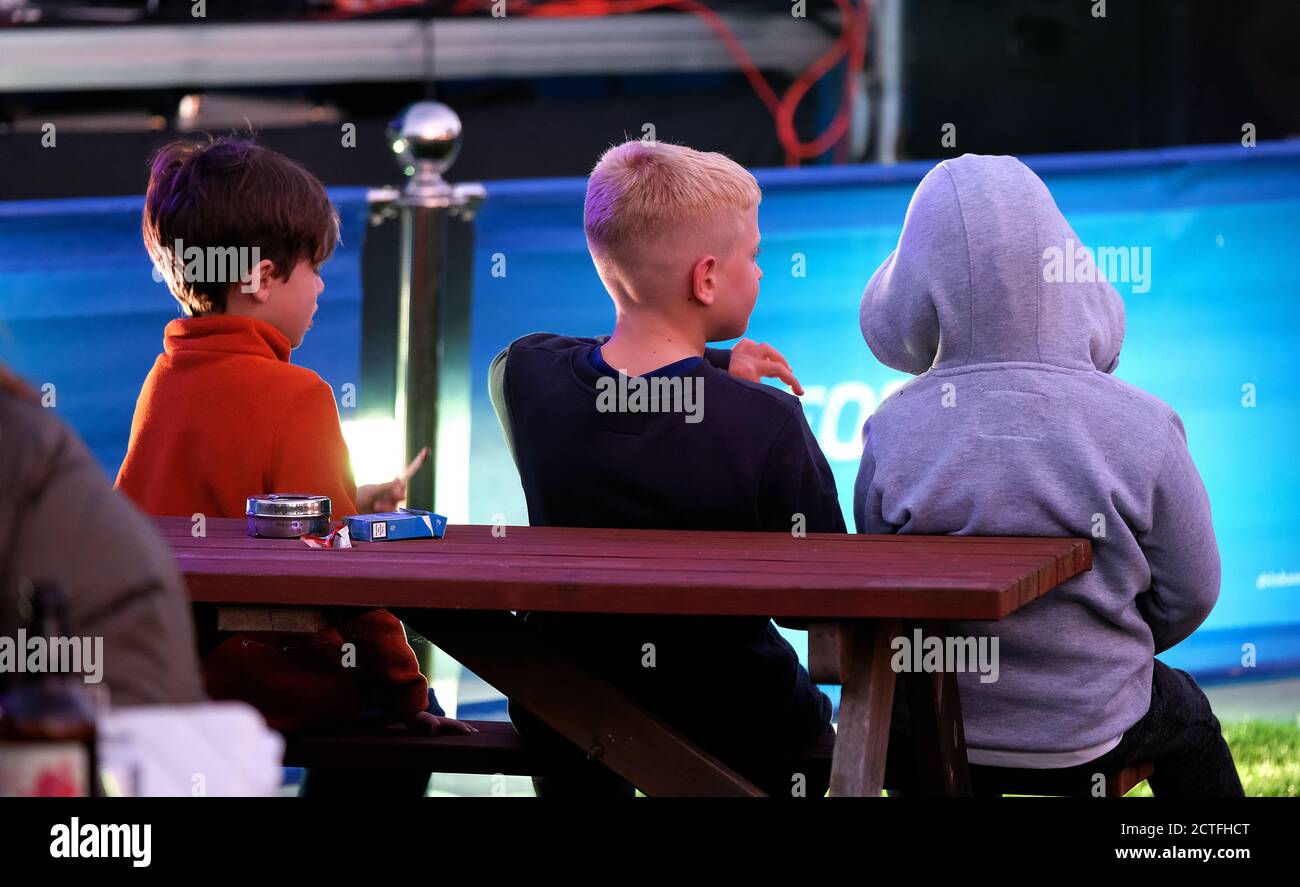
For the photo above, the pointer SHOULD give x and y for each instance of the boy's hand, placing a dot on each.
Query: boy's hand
(754, 361)
(379, 498)
(429, 724)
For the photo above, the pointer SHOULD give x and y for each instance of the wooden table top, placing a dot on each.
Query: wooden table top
(821, 575)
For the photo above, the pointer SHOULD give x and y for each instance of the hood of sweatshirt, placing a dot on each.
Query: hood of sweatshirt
(966, 284)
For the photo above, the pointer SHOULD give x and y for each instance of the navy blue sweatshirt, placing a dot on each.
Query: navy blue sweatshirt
(743, 459)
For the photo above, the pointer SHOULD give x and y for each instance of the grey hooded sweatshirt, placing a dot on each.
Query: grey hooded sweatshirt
(1015, 427)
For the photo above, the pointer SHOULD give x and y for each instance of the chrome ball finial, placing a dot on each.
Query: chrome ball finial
(426, 139)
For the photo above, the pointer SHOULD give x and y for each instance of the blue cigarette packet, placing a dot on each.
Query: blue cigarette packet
(405, 523)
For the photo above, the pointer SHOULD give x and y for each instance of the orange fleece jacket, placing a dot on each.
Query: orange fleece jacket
(222, 416)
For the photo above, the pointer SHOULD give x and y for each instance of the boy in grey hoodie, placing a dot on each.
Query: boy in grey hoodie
(1015, 427)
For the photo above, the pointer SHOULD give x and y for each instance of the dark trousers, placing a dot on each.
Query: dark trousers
(320, 782)
(1179, 735)
(571, 774)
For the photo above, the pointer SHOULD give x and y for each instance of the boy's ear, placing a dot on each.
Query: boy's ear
(703, 284)
(256, 284)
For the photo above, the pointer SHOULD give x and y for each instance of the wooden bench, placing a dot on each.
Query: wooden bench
(498, 749)
(989, 781)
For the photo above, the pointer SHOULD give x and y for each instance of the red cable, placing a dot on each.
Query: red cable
(852, 40)
(344, 10)
(855, 26)
(857, 23)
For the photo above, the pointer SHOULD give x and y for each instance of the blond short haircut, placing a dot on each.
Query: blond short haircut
(643, 191)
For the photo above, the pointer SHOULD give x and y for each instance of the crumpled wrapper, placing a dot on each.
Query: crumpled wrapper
(338, 537)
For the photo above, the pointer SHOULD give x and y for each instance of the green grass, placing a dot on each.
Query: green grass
(1267, 754)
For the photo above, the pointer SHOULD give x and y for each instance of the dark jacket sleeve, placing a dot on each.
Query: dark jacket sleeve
(62, 522)
(798, 490)
(499, 397)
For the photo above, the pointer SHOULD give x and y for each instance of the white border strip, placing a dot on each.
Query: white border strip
(203, 55)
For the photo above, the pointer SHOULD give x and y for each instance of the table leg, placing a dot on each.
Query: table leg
(866, 706)
(934, 707)
(585, 709)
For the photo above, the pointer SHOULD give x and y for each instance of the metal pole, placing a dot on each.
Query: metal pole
(888, 34)
(433, 388)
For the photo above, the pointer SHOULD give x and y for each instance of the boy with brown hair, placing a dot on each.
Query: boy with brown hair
(239, 232)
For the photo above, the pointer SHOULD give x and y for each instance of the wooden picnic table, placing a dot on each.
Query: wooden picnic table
(857, 592)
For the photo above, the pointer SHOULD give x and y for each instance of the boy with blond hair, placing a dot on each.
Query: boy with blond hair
(647, 428)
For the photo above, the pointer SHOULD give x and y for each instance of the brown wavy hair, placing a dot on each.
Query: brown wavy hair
(227, 193)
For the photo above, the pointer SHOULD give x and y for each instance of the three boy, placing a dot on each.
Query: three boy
(1041, 441)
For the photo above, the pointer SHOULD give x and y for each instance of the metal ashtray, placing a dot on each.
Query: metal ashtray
(288, 515)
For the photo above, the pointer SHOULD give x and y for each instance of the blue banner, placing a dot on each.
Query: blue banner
(1212, 296)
